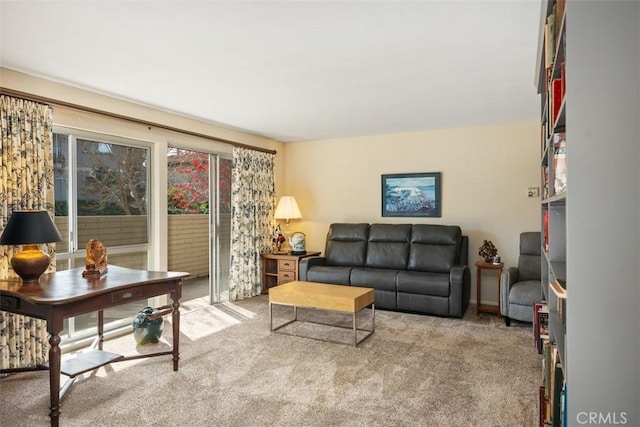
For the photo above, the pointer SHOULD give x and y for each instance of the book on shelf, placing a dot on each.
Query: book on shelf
(555, 379)
(545, 182)
(547, 350)
(562, 80)
(552, 32)
(550, 39)
(548, 55)
(545, 224)
(542, 407)
(559, 13)
(555, 99)
(556, 400)
(559, 163)
(540, 324)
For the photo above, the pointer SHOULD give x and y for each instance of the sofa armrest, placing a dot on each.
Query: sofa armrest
(460, 283)
(308, 262)
(507, 279)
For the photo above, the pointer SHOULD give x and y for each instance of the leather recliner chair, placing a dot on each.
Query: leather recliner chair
(521, 286)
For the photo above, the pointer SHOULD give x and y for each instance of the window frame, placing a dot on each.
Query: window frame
(75, 256)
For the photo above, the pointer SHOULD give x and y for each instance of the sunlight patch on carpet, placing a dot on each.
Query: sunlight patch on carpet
(209, 320)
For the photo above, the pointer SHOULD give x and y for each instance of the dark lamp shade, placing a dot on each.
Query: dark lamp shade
(30, 227)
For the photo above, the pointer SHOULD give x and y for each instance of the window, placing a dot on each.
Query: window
(101, 192)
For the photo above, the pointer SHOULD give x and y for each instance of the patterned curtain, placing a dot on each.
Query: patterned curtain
(26, 182)
(252, 223)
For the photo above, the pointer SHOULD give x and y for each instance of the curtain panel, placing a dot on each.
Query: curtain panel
(252, 223)
(26, 182)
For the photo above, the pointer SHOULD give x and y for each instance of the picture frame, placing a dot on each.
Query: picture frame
(412, 195)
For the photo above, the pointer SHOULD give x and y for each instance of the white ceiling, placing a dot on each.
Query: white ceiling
(290, 70)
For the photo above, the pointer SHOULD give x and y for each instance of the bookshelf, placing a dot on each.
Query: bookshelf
(555, 146)
(601, 210)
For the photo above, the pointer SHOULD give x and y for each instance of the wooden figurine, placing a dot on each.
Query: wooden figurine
(96, 259)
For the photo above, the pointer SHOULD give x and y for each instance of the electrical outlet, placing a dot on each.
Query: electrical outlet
(534, 192)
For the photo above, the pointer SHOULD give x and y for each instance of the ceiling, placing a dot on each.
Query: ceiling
(290, 70)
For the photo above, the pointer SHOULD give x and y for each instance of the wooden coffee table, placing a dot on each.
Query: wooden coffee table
(323, 296)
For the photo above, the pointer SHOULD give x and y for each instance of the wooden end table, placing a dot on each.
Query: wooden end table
(280, 268)
(485, 308)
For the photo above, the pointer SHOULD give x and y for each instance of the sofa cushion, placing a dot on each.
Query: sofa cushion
(374, 278)
(434, 248)
(386, 300)
(388, 246)
(416, 282)
(336, 275)
(431, 304)
(347, 244)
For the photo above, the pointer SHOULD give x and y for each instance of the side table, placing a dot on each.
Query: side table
(280, 268)
(485, 308)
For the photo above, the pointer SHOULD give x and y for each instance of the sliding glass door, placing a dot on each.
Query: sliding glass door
(199, 194)
(221, 224)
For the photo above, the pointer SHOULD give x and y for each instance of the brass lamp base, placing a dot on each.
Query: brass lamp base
(30, 263)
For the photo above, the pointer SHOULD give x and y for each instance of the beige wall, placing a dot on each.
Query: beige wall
(486, 172)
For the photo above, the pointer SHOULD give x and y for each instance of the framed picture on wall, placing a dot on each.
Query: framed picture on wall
(412, 194)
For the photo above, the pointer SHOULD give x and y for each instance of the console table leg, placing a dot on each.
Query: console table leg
(54, 378)
(175, 320)
(100, 329)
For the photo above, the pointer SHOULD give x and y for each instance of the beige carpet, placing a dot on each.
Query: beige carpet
(414, 371)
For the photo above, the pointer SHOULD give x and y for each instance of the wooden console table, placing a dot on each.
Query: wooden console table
(66, 293)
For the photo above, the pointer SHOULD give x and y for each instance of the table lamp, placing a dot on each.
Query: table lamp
(30, 228)
(287, 209)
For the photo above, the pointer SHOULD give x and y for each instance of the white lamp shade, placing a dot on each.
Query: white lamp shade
(287, 208)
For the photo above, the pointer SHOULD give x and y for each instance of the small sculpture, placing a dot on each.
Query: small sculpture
(488, 251)
(278, 238)
(96, 259)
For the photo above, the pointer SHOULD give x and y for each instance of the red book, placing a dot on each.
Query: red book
(545, 223)
(556, 97)
(562, 79)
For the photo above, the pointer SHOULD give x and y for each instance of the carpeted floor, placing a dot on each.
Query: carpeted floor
(413, 371)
